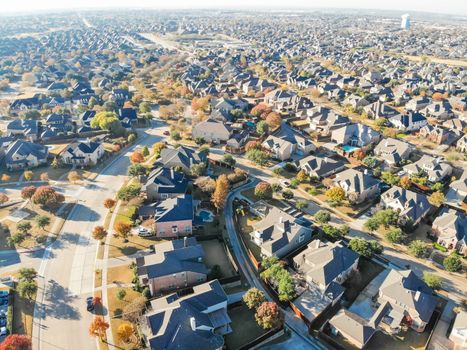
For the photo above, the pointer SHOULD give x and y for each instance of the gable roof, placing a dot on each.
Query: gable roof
(171, 320)
(180, 255)
(323, 262)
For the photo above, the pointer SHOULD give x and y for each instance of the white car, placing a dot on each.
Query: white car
(285, 183)
(143, 232)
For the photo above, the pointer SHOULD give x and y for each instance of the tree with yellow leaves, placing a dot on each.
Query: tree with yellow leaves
(125, 332)
(219, 196)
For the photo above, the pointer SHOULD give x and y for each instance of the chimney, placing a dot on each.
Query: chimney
(185, 242)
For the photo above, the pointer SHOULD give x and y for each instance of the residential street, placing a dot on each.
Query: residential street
(454, 286)
(67, 268)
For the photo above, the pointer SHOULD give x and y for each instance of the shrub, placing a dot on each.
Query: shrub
(432, 281)
(263, 190)
(452, 263)
(419, 248)
(323, 216)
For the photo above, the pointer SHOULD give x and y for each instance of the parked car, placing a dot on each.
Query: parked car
(89, 304)
(285, 183)
(144, 232)
(3, 332)
(166, 133)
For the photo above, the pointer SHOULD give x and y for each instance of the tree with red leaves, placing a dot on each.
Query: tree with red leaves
(28, 191)
(47, 196)
(16, 342)
(268, 315)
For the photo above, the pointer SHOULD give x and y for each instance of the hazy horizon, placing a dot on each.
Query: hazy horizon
(448, 6)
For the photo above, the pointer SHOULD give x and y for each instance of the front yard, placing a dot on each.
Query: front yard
(116, 307)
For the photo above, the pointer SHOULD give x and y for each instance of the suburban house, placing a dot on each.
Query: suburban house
(212, 131)
(279, 233)
(198, 320)
(436, 134)
(435, 168)
(61, 123)
(24, 154)
(379, 110)
(327, 266)
(355, 135)
(320, 167)
(163, 183)
(410, 301)
(358, 186)
(83, 153)
(237, 142)
(182, 157)
(411, 206)
(393, 151)
(285, 142)
(354, 328)
(409, 122)
(23, 128)
(458, 333)
(417, 103)
(461, 144)
(173, 216)
(325, 120)
(322, 268)
(173, 265)
(457, 193)
(450, 228)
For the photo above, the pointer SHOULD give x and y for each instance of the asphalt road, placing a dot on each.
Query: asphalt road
(66, 271)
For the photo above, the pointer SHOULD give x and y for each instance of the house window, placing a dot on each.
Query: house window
(161, 230)
(174, 229)
(301, 238)
(187, 229)
(164, 196)
(200, 279)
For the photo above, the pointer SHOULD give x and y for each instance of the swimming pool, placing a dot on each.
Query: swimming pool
(206, 215)
(348, 148)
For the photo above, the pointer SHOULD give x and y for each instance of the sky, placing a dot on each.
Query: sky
(458, 7)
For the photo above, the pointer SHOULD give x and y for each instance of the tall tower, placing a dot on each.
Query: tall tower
(405, 24)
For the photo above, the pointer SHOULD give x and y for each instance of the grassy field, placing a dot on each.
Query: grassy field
(117, 247)
(35, 235)
(119, 274)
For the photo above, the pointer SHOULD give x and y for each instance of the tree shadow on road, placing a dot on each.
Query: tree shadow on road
(59, 304)
(83, 213)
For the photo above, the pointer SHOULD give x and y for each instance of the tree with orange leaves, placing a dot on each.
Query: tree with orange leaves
(137, 157)
(109, 203)
(98, 327)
